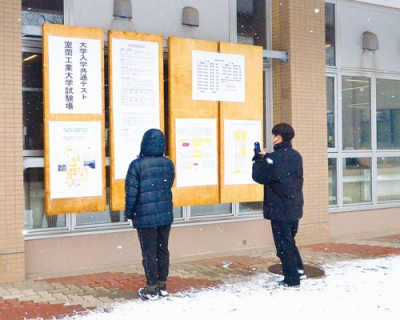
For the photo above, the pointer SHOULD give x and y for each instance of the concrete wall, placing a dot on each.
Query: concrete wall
(365, 223)
(157, 17)
(353, 20)
(387, 3)
(84, 251)
(12, 251)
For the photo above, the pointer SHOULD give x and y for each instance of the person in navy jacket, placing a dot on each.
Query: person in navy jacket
(148, 202)
(281, 173)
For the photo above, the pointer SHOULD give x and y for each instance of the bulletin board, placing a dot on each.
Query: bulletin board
(136, 86)
(250, 114)
(74, 151)
(182, 107)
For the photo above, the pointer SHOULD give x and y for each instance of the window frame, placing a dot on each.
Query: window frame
(335, 112)
(336, 36)
(339, 154)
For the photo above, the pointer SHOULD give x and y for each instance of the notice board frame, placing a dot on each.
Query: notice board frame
(55, 206)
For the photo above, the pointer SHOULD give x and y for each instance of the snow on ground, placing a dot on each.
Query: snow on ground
(352, 289)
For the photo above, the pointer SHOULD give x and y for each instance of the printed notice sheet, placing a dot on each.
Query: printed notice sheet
(239, 137)
(75, 159)
(136, 101)
(218, 76)
(75, 75)
(196, 152)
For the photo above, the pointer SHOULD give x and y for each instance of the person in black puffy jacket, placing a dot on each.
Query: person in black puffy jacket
(281, 173)
(148, 202)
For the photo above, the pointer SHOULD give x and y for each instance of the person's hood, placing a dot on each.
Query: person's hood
(153, 143)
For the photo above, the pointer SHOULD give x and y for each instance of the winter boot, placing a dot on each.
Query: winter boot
(148, 293)
(162, 288)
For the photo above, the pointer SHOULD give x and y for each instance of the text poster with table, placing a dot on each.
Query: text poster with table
(218, 76)
(136, 101)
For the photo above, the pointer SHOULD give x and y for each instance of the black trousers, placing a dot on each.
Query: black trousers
(284, 233)
(155, 254)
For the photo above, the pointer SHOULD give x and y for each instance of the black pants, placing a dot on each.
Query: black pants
(155, 254)
(284, 233)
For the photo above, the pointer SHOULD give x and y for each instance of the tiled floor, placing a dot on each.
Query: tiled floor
(53, 297)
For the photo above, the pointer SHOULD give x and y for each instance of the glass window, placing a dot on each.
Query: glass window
(35, 216)
(214, 210)
(356, 113)
(388, 178)
(178, 212)
(332, 181)
(250, 207)
(32, 100)
(251, 22)
(388, 113)
(330, 34)
(356, 180)
(330, 111)
(107, 216)
(37, 12)
(102, 217)
(33, 120)
(32, 70)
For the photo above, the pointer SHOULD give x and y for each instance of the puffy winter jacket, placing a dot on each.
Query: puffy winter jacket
(148, 195)
(281, 173)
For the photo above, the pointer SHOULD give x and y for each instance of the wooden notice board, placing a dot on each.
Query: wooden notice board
(136, 86)
(250, 110)
(74, 153)
(183, 107)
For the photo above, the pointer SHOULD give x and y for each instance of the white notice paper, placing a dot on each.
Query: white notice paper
(75, 159)
(218, 76)
(239, 137)
(136, 101)
(196, 152)
(75, 75)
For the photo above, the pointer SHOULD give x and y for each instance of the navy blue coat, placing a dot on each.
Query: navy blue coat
(148, 195)
(281, 173)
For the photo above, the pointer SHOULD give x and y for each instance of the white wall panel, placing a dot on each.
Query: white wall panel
(155, 17)
(353, 20)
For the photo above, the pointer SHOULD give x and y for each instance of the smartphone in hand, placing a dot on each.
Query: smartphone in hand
(257, 147)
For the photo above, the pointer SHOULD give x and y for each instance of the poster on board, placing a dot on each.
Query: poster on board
(74, 119)
(76, 164)
(75, 75)
(136, 104)
(218, 76)
(239, 138)
(196, 152)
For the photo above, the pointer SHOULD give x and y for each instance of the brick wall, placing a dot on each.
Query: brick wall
(12, 256)
(300, 99)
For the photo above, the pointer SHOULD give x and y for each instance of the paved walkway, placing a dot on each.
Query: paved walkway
(53, 296)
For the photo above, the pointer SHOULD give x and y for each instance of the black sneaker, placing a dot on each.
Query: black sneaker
(146, 294)
(284, 285)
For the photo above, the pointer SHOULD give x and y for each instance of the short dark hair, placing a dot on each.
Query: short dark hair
(284, 130)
